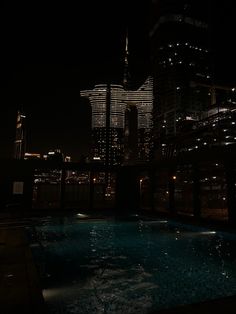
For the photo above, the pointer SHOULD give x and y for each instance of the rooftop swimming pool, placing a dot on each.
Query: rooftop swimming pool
(106, 266)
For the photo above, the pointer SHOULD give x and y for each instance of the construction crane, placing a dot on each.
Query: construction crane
(212, 89)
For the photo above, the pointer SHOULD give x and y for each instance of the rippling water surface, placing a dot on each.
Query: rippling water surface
(133, 267)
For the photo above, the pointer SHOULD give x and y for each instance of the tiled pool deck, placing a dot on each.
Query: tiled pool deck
(20, 290)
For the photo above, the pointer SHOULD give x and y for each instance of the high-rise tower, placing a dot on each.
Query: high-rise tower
(121, 119)
(107, 125)
(180, 56)
(141, 100)
(20, 138)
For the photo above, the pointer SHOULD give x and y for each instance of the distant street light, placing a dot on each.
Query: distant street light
(140, 184)
(140, 190)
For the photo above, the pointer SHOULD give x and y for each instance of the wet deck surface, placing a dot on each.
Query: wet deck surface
(20, 290)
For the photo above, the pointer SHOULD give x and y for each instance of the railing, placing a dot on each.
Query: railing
(200, 185)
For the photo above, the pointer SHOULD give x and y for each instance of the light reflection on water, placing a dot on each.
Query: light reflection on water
(112, 267)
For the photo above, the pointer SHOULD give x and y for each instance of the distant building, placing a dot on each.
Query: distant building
(20, 137)
(67, 159)
(109, 108)
(29, 156)
(55, 155)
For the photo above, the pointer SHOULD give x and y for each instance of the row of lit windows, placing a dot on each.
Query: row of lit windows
(179, 18)
(142, 99)
(186, 44)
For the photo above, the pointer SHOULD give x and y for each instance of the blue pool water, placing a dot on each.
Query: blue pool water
(133, 267)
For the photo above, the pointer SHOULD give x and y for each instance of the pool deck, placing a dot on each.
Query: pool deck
(20, 290)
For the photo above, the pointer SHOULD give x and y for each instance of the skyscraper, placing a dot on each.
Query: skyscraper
(181, 60)
(109, 105)
(121, 119)
(107, 122)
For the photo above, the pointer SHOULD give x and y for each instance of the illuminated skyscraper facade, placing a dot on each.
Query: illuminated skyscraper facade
(109, 103)
(180, 56)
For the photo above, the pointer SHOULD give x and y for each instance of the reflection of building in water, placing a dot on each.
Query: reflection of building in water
(20, 138)
(109, 105)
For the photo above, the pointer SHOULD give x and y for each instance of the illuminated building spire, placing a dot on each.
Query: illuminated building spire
(126, 69)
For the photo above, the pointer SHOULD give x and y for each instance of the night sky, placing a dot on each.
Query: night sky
(52, 50)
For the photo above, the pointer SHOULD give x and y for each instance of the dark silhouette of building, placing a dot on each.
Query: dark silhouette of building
(180, 52)
(131, 134)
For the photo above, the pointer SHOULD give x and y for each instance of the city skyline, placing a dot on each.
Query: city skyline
(52, 83)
